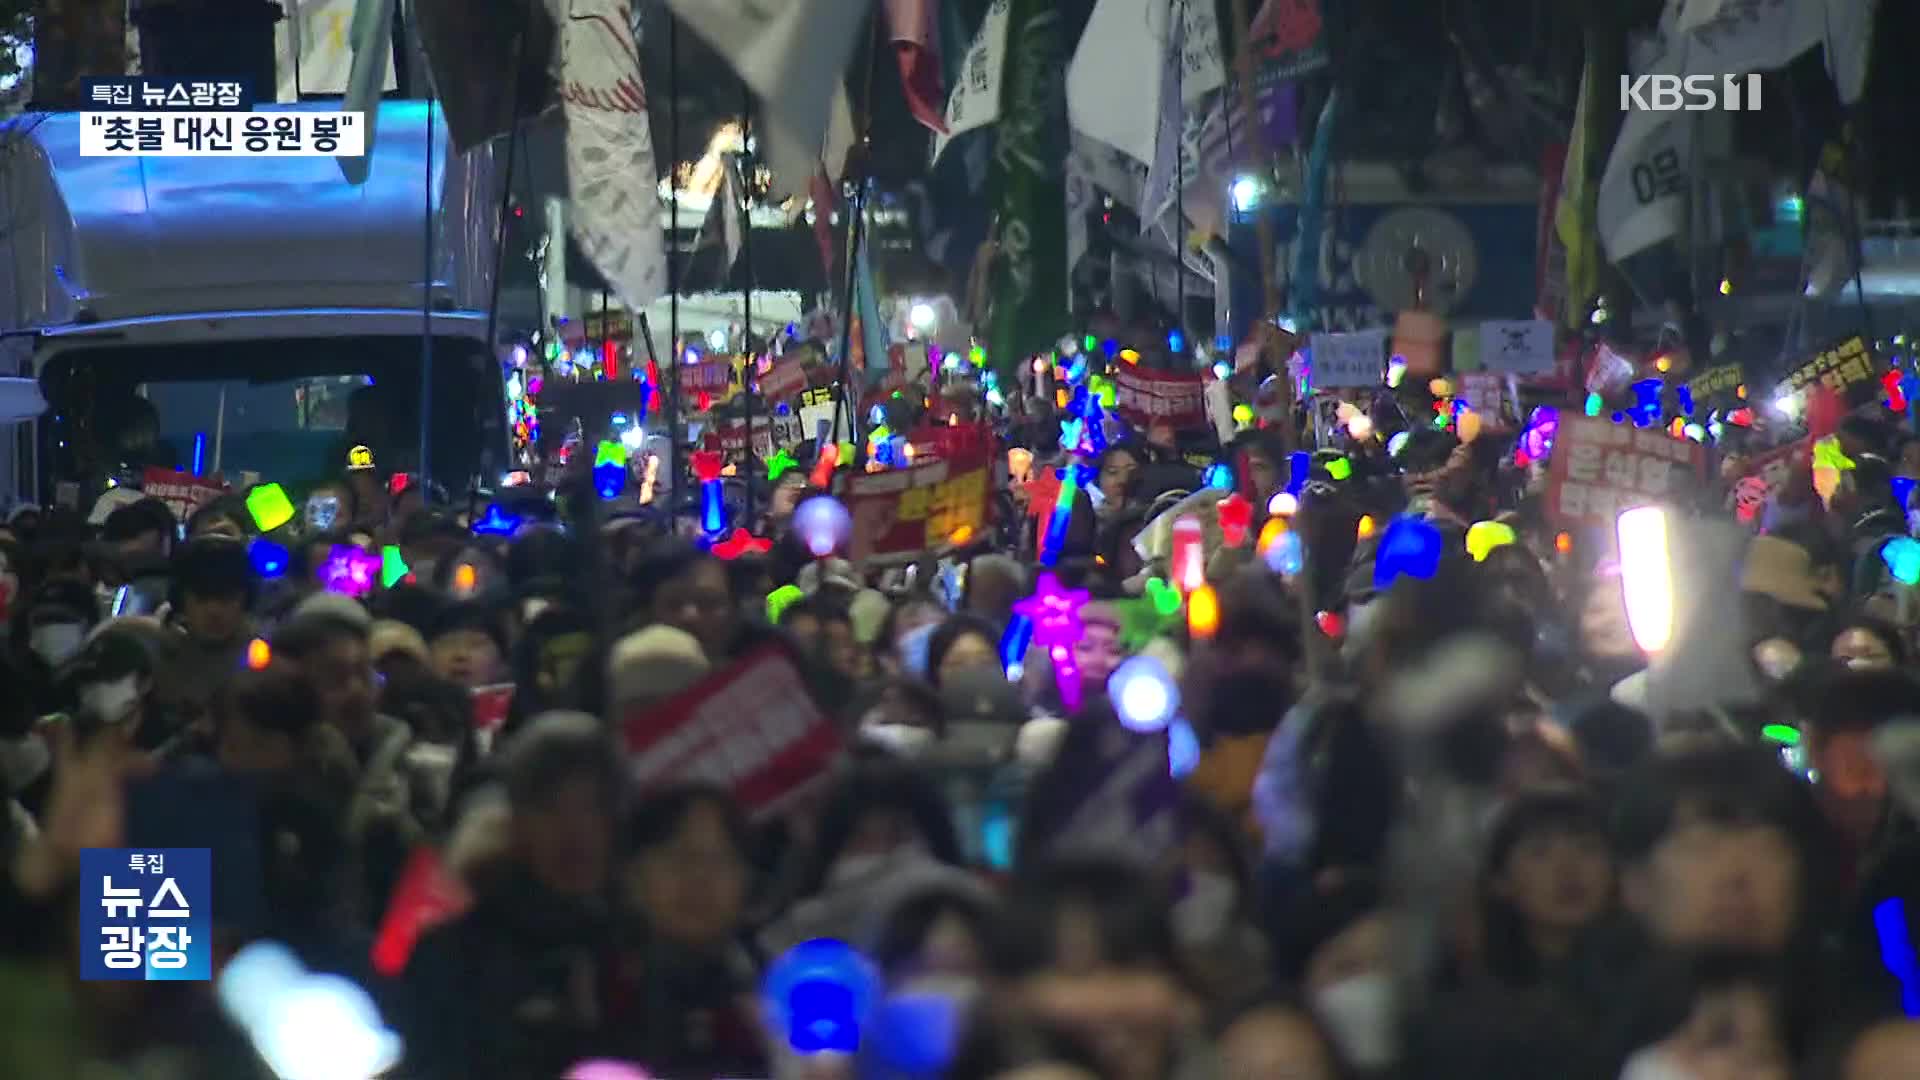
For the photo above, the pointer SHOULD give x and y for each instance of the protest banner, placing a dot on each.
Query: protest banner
(1601, 468)
(1485, 392)
(769, 433)
(1847, 367)
(182, 492)
(786, 378)
(1519, 347)
(903, 511)
(1342, 360)
(1765, 476)
(1720, 379)
(1144, 395)
(752, 728)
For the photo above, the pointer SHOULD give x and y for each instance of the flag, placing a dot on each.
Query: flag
(1573, 212)
(372, 58)
(611, 177)
(723, 225)
(792, 54)
(1643, 194)
(1028, 283)
(915, 45)
(821, 190)
(314, 51)
(1113, 83)
(1303, 277)
(871, 332)
(975, 99)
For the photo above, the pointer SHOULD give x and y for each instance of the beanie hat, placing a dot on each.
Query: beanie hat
(654, 664)
(390, 636)
(868, 612)
(331, 605)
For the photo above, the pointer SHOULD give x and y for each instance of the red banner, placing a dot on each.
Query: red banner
(712, 375)
(1145, 395)
(1601, 468)
(182, 492)
(902, 511)
(752, 728)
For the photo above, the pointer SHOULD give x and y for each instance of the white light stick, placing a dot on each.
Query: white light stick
(1646, 576)
(1144, 694)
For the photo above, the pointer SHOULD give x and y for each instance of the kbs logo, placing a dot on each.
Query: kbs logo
(1694, 93)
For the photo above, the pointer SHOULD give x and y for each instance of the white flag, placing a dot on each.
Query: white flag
(974, 100)
(733, 195)
(611, 176)
(313, 49)
(1114, 81)
(1648, 180)
(793, 55)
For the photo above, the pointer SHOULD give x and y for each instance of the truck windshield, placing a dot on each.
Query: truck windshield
(286, 411)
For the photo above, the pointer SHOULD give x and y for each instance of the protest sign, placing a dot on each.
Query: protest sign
(1601, 468)
(1144, 395)
(1765, 476)
(1519, 347)
(787, 377)
(769, 433)
(182, 492)
(1846, 367)
(1356, 359)
(1720, 379)
(902, 511)
(751, 728)
(1485, 392)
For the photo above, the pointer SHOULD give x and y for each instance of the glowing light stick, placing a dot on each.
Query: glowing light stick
(1902, 556)
(1365, 527)
(1166, 599)
(1270, 534)
(1331, 624)
(393, 567)
(1484, 536)
(466, 578)
(1299, 472)
(782, 598)
(604, 1069)
(1784, 734)
(1896, 951)
(609, 469)
(269, 507)
(780, 464)
(1829, 461)
(1288, 556)
(1646, 576)
(1339, 469)
(1188, 566)
(1203, 613)
(741, 543)
(1410, 548)
(1014, 642)
(823, 523)
(1219, 477)
(200, 453)
(706, 466)
(1144, 694)
(1020, 464)
(349, 571)
(1283, 504)
(269, 559)
(819, 996)
(823, 465)
(1072, 479)
(1236, 517)
(649, 479)
(259, 654)
(1055, 614)
(495, 521)
(1466, 425)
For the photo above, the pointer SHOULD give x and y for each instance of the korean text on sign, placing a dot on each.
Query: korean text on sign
(1838, 367)
(146, 914)
(222, 134)
(1600, 469)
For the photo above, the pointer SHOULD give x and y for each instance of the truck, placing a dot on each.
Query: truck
(243, 317)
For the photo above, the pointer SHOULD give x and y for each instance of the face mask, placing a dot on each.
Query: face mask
(1358, 1012)
(1202, 915)
(913, 649)
(56, 642)
(111, 701)
(906, 740)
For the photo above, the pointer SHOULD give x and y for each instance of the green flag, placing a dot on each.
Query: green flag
(1028, 286)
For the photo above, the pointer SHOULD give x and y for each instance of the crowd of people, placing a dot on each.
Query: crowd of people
(1444, 824)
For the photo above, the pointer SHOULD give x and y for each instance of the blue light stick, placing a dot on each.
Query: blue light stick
(199, 453)
(497, 522)
(1071, 479)
(1896, 951)
(1013, 646)
(1410, 548)
(268, 558)
(820, 995)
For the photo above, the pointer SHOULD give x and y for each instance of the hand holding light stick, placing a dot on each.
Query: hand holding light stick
(1646, 576)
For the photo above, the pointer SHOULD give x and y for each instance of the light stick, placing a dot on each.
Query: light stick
(782, 598)
(393, 567)
(1014, 642)
(779, 464)
(609, 469)
(497, 522)
(1072, 478)
(1236, 517)
(1055, 614)
(741, 543)
(1646, 576)
(819, 995)
(269, 559)
(1144, 694)
(1203, 613)
(1902, 556)
(823, 523)
(650, 479)
(269, 506)
(259, 654)
(1410, 548)
(825, 461)
(1188, 566)
(1484, 536)
(706, 465)
(349, 571)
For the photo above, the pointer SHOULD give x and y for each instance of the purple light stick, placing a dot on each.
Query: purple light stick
(1055, 614)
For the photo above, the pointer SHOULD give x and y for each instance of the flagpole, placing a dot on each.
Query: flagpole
(673, 267)
(746, 286)
(856, 236)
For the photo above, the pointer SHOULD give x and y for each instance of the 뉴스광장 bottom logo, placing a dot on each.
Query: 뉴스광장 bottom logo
(146, 914)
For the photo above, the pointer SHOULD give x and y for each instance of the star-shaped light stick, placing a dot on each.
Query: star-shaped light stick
(350, 571)
(1054, 612)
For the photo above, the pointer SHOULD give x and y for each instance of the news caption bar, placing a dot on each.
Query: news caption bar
(222, 134)
(143, 92)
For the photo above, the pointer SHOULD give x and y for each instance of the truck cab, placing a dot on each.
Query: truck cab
(246, 317)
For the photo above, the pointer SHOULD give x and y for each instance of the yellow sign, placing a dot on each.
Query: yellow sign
(947, 507)
(359, 459)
